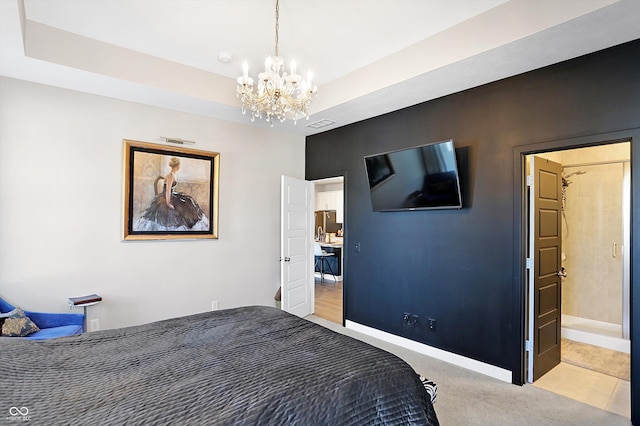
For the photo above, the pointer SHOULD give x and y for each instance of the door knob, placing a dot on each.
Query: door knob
(562, 273)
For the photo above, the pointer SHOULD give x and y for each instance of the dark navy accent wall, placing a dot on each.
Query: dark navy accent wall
(460, 267)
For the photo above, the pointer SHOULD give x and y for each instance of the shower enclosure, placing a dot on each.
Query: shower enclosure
(595, 245)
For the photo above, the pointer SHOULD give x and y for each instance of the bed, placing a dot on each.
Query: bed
(250, 365)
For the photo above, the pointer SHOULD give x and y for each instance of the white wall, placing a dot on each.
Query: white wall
(61, 209)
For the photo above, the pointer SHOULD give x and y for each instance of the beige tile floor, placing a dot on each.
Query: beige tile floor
(593, 388)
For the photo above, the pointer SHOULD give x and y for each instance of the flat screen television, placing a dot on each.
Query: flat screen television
(417, 178)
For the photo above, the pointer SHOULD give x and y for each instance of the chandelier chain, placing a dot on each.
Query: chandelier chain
(277, 24)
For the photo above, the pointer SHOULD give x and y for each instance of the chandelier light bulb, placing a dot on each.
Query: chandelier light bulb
(245, 70)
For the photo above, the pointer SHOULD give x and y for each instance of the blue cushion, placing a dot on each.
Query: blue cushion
(5, 307)
(50, 333)
(51, 320)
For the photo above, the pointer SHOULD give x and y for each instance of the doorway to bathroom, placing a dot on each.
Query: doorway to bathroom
(594, 278)
(595, 242)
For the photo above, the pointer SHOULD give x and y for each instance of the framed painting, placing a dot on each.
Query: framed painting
(169, 192)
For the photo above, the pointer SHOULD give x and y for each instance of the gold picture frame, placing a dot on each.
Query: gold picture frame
(188, 210)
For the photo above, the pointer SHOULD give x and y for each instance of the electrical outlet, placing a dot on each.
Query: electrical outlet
(215, 305)
(409, 320)
(406, 319)
(432, 324)
(94, 325)
(414, 320)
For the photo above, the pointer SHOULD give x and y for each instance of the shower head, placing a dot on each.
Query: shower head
(579, 172)
(565, 179)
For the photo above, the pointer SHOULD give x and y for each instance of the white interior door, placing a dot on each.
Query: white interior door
(296, 227)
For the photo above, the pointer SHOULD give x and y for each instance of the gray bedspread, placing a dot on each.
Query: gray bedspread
(245, 366)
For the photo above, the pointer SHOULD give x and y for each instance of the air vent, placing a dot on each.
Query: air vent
(320, 124)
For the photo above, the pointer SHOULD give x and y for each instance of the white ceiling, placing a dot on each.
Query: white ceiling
(369, 57)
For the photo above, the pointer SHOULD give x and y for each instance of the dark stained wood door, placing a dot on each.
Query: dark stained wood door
(546, 198)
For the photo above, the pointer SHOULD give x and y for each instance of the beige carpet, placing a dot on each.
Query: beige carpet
(469, 398)
(602, 360)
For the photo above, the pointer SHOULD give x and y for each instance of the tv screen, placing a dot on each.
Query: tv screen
(417, 178)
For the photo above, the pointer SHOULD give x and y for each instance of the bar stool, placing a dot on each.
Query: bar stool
(321, 259)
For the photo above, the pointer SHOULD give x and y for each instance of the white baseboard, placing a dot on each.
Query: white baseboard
(459, 360)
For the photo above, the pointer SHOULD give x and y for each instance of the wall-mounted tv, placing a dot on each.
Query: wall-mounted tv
(417, 178)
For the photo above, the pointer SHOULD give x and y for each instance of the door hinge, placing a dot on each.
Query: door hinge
(528, 346)
(529, 263)
(530, 180)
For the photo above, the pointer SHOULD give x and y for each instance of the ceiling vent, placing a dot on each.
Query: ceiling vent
(320, 124)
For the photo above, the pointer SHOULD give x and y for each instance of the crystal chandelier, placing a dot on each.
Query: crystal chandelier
(278, 95)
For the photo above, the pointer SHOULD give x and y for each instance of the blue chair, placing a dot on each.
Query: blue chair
(51, 325)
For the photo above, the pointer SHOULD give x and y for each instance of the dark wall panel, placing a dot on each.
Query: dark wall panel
(457, 266)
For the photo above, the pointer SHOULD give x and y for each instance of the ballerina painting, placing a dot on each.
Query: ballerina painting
(171, 193)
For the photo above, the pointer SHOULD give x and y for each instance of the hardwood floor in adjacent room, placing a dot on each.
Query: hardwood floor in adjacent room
(329, 300)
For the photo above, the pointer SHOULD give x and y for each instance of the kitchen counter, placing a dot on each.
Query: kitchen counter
(332, 244)
(335, 242)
